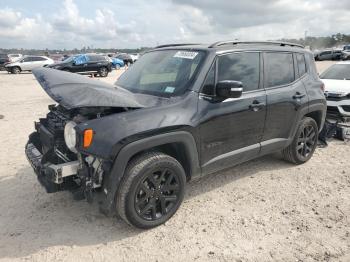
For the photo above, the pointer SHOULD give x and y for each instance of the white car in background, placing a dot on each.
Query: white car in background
(15, 57)
(337, 91)
(28, 63)
(135, 57)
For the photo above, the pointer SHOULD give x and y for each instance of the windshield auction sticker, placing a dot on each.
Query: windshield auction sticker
(186, 54)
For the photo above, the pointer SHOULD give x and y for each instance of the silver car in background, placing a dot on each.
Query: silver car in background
(28, 63)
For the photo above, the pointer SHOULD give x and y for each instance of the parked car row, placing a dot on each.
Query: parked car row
(333, 54)
(85, 64)
(100, 64)
(27, 63)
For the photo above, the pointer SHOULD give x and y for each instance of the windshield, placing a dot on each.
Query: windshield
(347, 47)
(337, 72)
(162, 73)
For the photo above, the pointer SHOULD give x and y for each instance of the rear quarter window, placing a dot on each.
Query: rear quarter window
(279, 69)
(301, 64)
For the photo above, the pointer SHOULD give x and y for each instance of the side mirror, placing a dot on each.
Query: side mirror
(229, 89)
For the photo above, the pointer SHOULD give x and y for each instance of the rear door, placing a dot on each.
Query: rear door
(286, 99)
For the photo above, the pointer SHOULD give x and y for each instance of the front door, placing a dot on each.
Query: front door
(231, 130)
(26, 63)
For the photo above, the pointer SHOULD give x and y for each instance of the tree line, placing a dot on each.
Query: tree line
(314, 42)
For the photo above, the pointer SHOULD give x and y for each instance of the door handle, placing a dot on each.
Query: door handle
(298, 95)
(256, 106)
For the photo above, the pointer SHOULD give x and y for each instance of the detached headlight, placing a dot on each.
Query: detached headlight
(70, 136)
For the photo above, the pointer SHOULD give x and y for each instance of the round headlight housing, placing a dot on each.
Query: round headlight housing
(70, 136)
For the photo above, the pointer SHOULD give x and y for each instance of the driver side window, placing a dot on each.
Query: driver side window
(243, 67)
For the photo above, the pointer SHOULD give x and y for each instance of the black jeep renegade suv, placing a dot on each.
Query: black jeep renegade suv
(180, 112)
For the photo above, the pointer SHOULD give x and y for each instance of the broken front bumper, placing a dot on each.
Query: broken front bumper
(53, 177)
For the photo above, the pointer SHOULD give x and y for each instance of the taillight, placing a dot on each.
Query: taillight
(322, 87)
(88, 136)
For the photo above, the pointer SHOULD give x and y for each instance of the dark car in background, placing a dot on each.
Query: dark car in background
(85, 64)
(329, 55)
(4, 58)
(127, 59)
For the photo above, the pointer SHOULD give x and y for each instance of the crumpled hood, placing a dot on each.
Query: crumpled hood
(75, 91)
(337, 86)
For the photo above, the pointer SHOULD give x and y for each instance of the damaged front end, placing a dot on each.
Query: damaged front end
(338, 113)
(58, 165)
(56, 148)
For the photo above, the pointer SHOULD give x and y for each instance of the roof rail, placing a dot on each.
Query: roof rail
(170, 45)
(221, 43)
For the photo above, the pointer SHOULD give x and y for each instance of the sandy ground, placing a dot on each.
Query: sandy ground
(263, 210)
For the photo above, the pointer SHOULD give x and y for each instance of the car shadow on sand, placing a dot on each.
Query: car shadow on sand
(32, 220)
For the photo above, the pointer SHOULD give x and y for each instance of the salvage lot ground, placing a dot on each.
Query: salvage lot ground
(262, 210)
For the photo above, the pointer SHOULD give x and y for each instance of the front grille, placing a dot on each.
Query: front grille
(51, 130)
(332, 109)
(336, 97)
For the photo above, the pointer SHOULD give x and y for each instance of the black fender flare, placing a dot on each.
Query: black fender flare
(112, 180)
(319, 107)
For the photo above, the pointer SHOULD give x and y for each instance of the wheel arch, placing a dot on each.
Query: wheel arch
(318, 113)
(180, 145)
(317, 116)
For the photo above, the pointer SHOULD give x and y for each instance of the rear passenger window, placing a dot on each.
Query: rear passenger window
(38, 58)
(301, 64)
(243, 67)
(279, 69)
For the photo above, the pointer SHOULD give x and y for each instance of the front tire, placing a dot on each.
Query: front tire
(304, 143)
(15, 70)
(103, 72)
(151, 191)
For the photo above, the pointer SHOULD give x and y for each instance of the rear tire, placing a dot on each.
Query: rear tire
(15, 70)
(151, 190)
(103, 72)
(304, 143)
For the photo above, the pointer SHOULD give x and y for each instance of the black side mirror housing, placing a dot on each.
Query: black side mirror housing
(229, 89)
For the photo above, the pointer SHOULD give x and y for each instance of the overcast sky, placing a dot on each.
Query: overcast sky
(134, 23)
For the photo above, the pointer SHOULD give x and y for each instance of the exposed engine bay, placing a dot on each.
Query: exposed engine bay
(51, 151)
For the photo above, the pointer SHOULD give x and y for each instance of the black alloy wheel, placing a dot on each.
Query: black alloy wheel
(151, 190)
(306, 141)
(157, 194)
